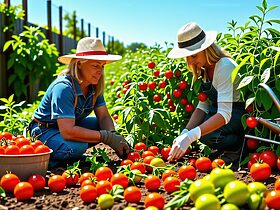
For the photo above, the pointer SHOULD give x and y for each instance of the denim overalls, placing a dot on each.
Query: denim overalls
(81, 107)
(230, 136)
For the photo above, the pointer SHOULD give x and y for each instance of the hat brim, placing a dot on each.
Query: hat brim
(66, 59)
(177, 52)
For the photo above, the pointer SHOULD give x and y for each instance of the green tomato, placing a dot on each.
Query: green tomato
(257, 187)
(157, 162)
(207, 178)
(137, 178)
(236, 192)
(151, 208)
(229, 206)
(256, 202)
(207, 202)
(129, 208)
(220, 177)
(200, 187)
(105, 201)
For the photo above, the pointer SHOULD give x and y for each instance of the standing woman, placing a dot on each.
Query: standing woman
(217, 121)
(62, 119)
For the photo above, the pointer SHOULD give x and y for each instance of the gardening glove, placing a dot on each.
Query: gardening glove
(182, 142)
(115, 141)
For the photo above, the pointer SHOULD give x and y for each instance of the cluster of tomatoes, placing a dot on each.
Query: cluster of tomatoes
(19, 145)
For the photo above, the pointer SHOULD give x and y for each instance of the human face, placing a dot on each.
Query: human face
(197, 60)
(91, 71)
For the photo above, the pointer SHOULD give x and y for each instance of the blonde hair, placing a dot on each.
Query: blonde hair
(73, 71)
(213, 54)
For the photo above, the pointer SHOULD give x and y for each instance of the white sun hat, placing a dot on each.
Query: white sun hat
(90, 48)
(191, 40)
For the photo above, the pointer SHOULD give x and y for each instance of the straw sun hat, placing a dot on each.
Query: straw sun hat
(191, 40)
(90, 49)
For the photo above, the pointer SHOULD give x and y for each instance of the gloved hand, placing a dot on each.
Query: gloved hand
(115, 141)
(182, 142)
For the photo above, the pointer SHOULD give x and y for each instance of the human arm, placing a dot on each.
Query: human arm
(104, 118)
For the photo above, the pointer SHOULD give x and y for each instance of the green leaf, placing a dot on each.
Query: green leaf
(264, 4)
(245, 81)
(263, 62)
(274, 21)
(265, 76)
(235, 71)
(2, 192)
(7, 44)
(249, 101)
(265, 100)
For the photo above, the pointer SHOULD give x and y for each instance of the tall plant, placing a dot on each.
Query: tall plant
(33, 59)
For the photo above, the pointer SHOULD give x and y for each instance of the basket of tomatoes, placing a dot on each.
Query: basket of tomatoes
(23, 156)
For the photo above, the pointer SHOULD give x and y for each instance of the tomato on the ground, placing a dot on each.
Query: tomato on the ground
(23, 191)
(154, 199)
(152, 183)
(56, 183)
(171, 184)
(120, 179)
(88, 193)
(187, 172)
(132, 194)
(8, 182)
(37, 181)
(103, 173)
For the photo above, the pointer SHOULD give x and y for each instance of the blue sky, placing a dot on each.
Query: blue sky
(151, 21)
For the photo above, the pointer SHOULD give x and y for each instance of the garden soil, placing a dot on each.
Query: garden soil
(69, 198)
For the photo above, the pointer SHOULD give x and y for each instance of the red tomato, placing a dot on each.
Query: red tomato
(165, 152)
(42, 149)
(260, 171)
(168, 173)
(177, 93)
(178, 73)
(192, 161)
(162, 84)
(277, 184)
(147, 153)
(132, 194)
(88, 182)
(168, 95)
(88, 193)
(254, 157)
(156, 73)
(170, 102)
(187, 172)
(142, 86)
(157, 97)
(270, 158)
(172, 108)
(278, 163)
(126, 162)
(6, 135)
(71, 178)
(147, 160)
(9, 181)
(2, 151)
(217, 162)
(203, 164)
(133, 156)
(252, 144)
(85, 176)
(171, 184)
(189, 107)
(272, 199)
(251, 122)
(202, 96)
(23, 191)
(249, 164)
(112, 82)
(26, 149)
(250, 108)
(103, 187)
(22, 141)
(183, 85)
(103, 173)
(140, 166)
(152, 183)
(116, 117)
(12, 150)
(37, 181)
(140, 146)
(152, 85)
(120, 179)
(154, 199)
(126, 82)
(151, 65)
(184, 101)
(36, 143)
(168, 74)
(56, 183)
(154, 149)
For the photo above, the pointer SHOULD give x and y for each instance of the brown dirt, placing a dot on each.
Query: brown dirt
(69, 198)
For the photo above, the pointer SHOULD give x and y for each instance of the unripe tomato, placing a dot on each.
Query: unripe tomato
(236, 192)
(154, 199)
(229, 206)
(136, 174)
(168, 74)
(256, 202)
(221, 177)
(200, 187)
(257, 187)
(157, 162)
(151, 64)
(251, 122)
(202, 96)
(105, 201)
(23, 191)
(132, 194)
(207, 202)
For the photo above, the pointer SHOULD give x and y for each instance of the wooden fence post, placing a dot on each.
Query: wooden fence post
(112, 44)
(49, 14)
(88, 29)
(82, 28)
(24, 7)
(104, 38)
(97, 32)
(74, 27)
(108, 45)
(60, 31)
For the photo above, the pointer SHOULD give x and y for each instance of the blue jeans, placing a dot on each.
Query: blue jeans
(63, 150)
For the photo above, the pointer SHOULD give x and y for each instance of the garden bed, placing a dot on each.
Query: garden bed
(69, 198)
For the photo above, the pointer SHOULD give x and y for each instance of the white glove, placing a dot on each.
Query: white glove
(182, 142)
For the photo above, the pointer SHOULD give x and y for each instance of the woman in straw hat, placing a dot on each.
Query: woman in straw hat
(61, 121)
(217, 121)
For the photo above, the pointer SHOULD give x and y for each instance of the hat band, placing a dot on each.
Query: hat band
(91, 53)
(192, 41)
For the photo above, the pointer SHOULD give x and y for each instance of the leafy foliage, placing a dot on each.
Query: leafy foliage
(14, 13)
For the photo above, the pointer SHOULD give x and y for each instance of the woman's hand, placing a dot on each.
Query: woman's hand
(182, 142)
(115, 141)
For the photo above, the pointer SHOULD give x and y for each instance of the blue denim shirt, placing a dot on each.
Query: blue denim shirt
(59, 100)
